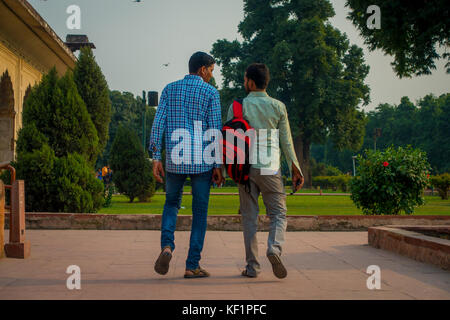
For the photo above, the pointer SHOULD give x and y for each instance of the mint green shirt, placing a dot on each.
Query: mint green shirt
(264, 112)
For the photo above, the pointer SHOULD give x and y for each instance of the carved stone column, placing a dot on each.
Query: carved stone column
(17, 247)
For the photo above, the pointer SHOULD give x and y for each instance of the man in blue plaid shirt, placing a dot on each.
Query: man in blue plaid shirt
(187, 109)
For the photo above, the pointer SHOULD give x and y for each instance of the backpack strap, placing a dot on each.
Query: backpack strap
(238, 109)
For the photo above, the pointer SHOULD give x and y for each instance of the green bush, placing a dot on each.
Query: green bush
(53, 184)
(37, 169)
(107, 196)
(132, 170)
(391, 181)
(442, 184)
(322, 169)
(340, 182)
(79, 190)
(321, 181)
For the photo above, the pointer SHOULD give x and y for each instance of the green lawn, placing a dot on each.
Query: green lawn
(297, 205)
(236, 190)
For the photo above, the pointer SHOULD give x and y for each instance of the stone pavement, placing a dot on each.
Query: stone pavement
(119, 265)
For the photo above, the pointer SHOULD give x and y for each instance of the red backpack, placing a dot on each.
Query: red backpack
(231, 148)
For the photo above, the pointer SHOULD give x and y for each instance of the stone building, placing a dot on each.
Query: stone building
(28, 49)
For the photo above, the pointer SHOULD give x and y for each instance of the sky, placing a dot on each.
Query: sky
(134, 40)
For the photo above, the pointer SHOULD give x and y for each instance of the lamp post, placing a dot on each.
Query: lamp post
(144, 111)
(354, 170)
(152, 101)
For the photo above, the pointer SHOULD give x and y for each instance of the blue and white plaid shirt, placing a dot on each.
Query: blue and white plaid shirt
(183, 102)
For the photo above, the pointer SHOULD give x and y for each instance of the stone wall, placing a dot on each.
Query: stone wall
(224, 222)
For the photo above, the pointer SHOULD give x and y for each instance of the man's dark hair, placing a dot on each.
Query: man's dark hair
(198, 60)
(259, 73)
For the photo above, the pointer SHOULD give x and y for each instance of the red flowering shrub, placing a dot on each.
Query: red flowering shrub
(390, 182)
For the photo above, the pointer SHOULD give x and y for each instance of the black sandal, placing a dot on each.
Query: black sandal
(246, 274)
(277, 266)
(162, 264)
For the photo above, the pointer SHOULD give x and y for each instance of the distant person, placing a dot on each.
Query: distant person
(110, 173)
(107, 176)
(183, 102)
(104, 171)
(99, 174)
(268, 113)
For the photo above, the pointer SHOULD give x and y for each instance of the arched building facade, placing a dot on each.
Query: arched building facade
(28, 49)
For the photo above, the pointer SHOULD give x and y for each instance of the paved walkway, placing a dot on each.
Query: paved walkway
(119, 265)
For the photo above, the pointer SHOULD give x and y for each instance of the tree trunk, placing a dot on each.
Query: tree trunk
(303, 152)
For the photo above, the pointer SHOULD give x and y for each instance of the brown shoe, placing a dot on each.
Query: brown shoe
(277, 266)
(162, 264)
(197, 273)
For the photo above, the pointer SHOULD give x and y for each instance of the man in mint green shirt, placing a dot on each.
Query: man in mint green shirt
(264, 112)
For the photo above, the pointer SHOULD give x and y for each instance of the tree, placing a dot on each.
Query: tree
(315, 71)
(424, 124)
(132, 171)
(59, 114)
(94, 91)
(410, 31)
(433, 130)
(442, 184)
(126, 111)
(56, 149)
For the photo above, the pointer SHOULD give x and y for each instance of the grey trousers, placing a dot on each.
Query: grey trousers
(274, 197)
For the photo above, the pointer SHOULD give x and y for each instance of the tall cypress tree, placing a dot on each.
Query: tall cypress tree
(56, 149)
(59, 114)
(132, 171)
(93, 89)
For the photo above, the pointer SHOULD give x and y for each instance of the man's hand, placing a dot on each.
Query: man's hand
(217, 176)
(158, 171)
(297, 179)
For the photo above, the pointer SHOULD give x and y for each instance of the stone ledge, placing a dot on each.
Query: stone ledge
(404, 240)
(88, 221)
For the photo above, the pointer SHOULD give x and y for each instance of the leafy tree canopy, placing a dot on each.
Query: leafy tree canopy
(314, 70)
(410, 31)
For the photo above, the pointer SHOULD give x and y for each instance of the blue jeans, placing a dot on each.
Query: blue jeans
(201, 184)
